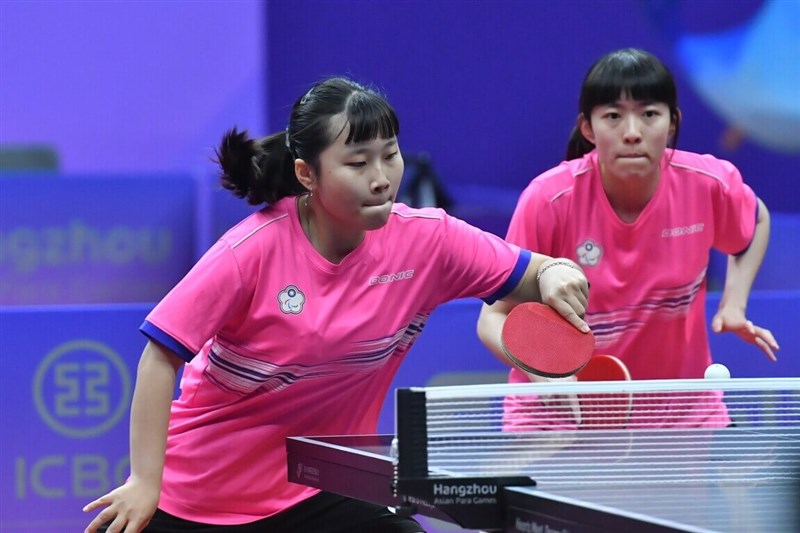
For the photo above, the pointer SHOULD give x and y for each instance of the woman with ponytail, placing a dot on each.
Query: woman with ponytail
(295, 322)
(641, 217)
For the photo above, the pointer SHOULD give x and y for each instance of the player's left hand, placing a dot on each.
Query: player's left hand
(733, 320)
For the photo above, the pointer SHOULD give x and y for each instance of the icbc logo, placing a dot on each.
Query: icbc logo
(82, 389)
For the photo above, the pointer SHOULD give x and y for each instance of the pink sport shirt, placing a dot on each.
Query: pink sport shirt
(288, 344)
(648, 278)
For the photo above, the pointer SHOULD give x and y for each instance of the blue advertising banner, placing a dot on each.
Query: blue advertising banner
(101, 239)
(67, 379)
(219, 211)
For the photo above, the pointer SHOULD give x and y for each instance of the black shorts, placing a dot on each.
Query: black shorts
(323, 513)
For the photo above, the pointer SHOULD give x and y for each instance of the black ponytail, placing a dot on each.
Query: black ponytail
(577, 146)
(258, 170)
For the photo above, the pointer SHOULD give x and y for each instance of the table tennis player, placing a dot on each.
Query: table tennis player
(295, 322)
(640, 217)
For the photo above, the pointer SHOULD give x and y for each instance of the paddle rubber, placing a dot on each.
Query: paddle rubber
(609, 410)
(538, 340)
(604, 368)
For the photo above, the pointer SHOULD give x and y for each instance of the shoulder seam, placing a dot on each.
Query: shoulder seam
(559, 194)
(257, 229)
(564, 191)
(584, 170)
(701, 172)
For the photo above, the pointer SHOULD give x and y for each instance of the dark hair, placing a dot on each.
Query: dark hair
(262, 170)
(635, 73)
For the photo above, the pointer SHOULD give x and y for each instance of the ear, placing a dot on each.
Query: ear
(304, 174)
(585, 127)
(674, 125)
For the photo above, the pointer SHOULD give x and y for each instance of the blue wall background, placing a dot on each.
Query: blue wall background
(490, 89)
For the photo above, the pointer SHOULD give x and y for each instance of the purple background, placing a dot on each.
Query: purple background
(489, 89)
(131, 86)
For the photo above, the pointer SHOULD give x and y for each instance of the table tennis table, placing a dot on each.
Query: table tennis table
(741, 477)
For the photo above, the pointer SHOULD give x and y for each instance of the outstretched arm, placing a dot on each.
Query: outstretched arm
(132, 505)
(741, 273)
(561, 285)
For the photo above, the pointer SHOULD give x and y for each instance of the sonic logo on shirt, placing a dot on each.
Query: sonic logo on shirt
(388, 278)
(291, 300)
(589, 253)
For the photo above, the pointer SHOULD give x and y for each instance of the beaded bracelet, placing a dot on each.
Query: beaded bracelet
(564, 262)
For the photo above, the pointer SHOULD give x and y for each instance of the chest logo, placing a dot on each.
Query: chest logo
(389, 278)
(291, 300)
(680, 231)
(589, 253)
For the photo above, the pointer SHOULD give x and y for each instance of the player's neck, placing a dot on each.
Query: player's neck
(629, 195)
(332, 241)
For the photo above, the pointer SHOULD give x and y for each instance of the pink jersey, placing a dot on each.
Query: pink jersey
(648, 278)
(288, 343)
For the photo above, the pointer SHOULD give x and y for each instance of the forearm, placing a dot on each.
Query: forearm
(492, 317)
(155, 385)
(490, 326)
(742, 269)
(568, 280)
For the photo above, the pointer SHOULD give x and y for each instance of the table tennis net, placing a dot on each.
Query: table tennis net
(633, 432)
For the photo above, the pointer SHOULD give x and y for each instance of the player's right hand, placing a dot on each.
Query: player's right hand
(127, 509)
(562, 402)
(564, 287)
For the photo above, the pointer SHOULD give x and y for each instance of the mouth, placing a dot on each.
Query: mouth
(378, 204)
(632, 156)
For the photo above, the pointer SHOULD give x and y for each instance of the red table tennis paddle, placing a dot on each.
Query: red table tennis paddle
(536, 339)
(605, 410)
(604, 368)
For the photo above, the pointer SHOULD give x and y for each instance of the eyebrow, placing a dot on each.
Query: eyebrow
(361, 149)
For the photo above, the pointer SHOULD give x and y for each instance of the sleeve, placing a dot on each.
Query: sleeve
(199, 305)
(533, 224)
(735, 212)
(477, 263)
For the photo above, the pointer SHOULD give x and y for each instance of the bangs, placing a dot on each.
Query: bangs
(630, 76)
(370, 117)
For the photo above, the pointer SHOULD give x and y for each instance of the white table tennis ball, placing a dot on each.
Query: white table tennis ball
(717, 371)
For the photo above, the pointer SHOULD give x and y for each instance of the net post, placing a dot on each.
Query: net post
(411, 426)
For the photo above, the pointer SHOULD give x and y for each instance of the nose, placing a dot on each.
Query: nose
(632, 133)
(379, 181)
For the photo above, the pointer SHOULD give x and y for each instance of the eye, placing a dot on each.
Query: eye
(357, 164)
(612, 115)
(650, 113)
(391, 156)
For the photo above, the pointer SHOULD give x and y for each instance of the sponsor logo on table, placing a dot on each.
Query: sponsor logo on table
(457, 494)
